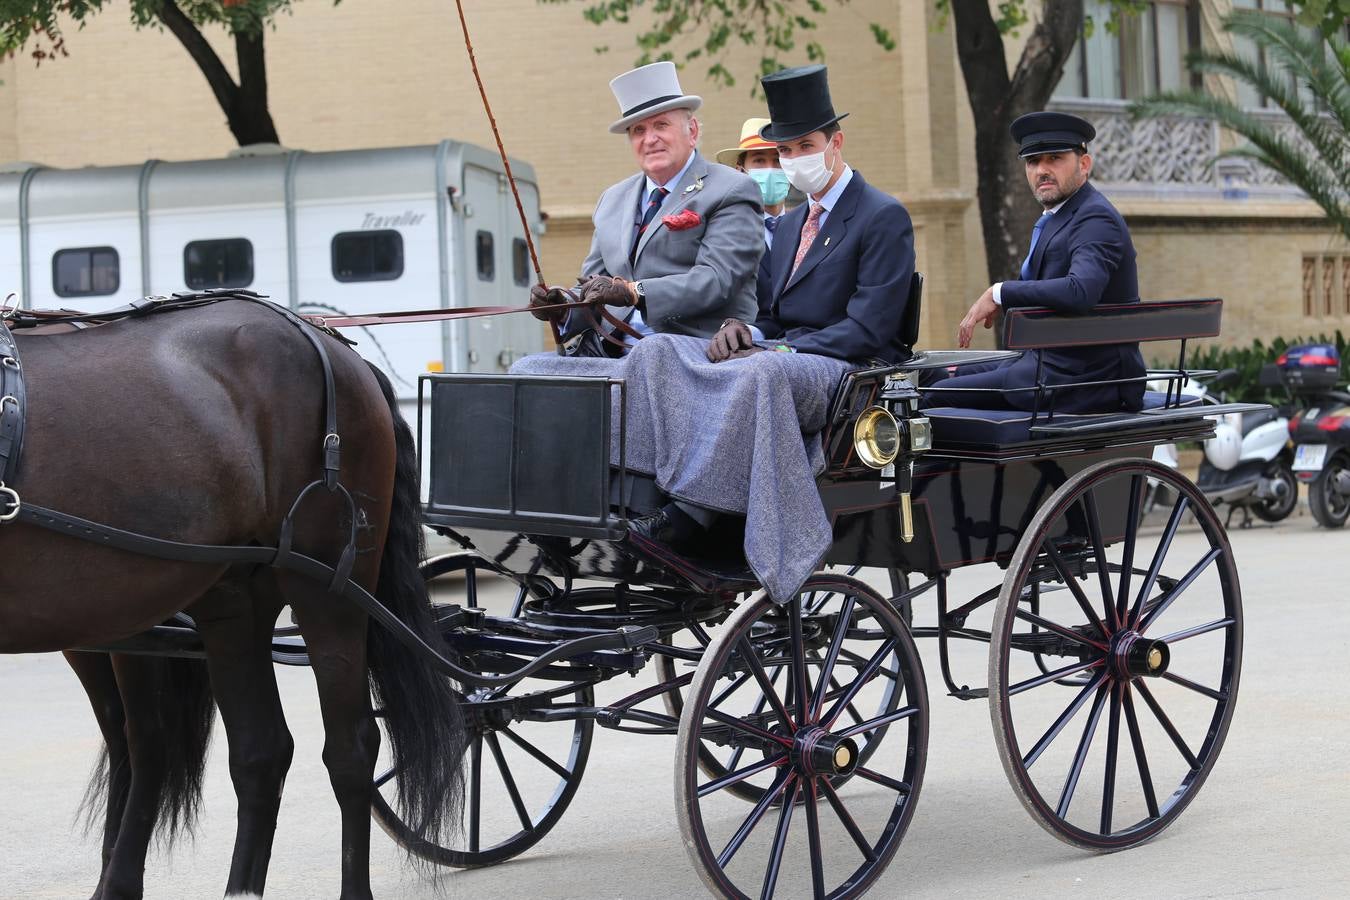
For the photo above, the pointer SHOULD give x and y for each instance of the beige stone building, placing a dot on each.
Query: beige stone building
(377, 73)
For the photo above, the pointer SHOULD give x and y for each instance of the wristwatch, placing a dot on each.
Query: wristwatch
(640, 291)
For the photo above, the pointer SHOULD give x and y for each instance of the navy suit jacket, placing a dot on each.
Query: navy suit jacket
(847, 299)
(1084, 257)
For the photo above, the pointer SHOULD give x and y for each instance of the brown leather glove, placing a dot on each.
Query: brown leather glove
(731, 340)
(542, 296)
(607, 290)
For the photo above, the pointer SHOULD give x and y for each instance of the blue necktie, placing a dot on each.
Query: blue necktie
(1035, 236)
(653, 204)
(771, 223)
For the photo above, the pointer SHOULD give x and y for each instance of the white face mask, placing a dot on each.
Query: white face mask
(808, 174)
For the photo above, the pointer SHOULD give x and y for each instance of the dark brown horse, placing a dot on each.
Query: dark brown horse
(202, 426)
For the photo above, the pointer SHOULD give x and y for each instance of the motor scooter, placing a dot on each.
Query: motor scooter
(1320, 430)
(1248, 462)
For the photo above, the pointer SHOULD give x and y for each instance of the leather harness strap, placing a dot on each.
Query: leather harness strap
(13, 399)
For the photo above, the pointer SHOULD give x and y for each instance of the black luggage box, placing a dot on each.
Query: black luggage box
(522, 453)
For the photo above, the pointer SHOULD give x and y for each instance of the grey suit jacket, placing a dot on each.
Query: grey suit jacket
(696, 277)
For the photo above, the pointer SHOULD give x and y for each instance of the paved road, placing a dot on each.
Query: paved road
(1273, 820)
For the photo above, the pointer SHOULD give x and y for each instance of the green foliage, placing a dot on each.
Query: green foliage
(1248, 362)
(36, 25)
(1321, 67)
(1327, 16)
(687, 30)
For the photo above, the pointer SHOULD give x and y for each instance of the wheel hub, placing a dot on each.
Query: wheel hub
(816, 751)
(1133, 656)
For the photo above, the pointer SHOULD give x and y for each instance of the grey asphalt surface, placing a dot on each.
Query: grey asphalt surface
(1272, 821)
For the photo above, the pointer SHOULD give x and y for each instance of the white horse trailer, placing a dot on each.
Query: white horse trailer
(344, 232)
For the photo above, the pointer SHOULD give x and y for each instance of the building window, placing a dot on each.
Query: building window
(520, 261)
(367, 255)
(1246, 94)
(85, 272)
(1326, 285)
(224, 263)
(1145, 55)
(487, 260)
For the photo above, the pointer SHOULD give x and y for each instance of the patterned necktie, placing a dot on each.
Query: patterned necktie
(809, 231)
(1035, 236)
(653, 204)
(771, 223)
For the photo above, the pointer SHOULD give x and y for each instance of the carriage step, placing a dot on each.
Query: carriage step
(970, 693)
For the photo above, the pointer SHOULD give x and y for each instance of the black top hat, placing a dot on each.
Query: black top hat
(1051, 132)
(799, 103)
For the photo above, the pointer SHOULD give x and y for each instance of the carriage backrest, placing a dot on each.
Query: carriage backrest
(1032, 328)
(909, 325)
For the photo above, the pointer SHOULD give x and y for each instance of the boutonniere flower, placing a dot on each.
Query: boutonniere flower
(682, 220)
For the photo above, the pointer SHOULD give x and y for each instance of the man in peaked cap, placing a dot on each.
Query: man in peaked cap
(676, 246)
(841, 264)
(1080, 256)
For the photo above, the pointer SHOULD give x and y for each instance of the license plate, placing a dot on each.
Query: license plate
(1309, 457)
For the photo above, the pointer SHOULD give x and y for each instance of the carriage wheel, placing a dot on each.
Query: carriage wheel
(520, 774)
(715, 761)
(1143, 626)
(800, 748)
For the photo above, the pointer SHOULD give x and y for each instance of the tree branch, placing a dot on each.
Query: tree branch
(217, 76)
(1042, 62)
(979, 46)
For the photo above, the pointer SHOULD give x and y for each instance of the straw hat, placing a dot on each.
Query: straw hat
(750, 140)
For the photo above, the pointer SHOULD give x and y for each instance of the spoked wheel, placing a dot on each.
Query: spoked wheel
(520, 772)
(838, 820)
(1144, 629)
(716, 761)
(1329, 495)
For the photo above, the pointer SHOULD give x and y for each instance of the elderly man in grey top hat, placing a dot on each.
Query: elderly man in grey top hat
(676, 246)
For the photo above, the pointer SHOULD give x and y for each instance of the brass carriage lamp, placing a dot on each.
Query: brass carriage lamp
(880, 438)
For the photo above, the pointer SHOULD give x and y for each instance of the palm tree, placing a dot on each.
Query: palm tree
(1317, 159)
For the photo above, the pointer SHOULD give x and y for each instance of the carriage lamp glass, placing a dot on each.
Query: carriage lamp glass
(920, 434)
(876, 437)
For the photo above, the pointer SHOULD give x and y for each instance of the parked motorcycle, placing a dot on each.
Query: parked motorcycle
(1320, 430)
(1248, 462)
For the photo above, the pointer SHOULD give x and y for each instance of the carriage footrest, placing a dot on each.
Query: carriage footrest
(970, 693)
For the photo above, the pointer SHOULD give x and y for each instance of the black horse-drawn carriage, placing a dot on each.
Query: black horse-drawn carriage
(801, 727)
(814, 714)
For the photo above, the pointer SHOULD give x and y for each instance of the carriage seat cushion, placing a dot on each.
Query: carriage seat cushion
(955, 425)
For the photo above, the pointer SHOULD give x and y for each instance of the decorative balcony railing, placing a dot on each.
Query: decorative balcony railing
(1173, 157)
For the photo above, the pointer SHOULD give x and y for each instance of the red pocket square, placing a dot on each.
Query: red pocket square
(682, 220)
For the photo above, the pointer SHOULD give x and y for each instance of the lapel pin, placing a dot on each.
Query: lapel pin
(827, 242)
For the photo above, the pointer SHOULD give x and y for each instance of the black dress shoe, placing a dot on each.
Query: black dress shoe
(669, 525)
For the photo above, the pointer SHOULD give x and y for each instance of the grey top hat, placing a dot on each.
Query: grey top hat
(648, 90)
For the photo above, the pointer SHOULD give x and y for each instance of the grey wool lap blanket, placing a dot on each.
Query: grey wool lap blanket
(740, 436)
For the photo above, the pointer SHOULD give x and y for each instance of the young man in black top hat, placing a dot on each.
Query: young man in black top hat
(840, 267)
(1080, 255)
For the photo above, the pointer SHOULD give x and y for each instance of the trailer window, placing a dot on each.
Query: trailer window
(226, 263)
(368, 255)
(85, 272)
(520, 261)
(487, 259)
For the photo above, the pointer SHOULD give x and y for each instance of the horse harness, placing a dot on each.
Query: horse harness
(12, 407)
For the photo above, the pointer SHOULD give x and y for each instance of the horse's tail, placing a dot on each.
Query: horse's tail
(421, 712)
(185, 711)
